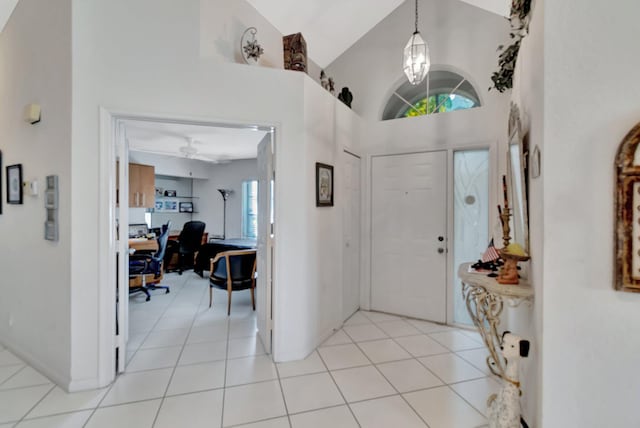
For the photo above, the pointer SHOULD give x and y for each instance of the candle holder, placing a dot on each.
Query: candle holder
(506, 230)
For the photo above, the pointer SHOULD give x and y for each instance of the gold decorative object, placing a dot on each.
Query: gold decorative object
(627, 226)
(509, 271)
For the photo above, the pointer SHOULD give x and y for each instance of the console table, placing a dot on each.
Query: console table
(485, 299)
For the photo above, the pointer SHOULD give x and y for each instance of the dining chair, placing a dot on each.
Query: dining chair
(233, 271)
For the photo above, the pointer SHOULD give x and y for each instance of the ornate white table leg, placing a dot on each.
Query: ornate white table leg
(484, 309)
(484, 298)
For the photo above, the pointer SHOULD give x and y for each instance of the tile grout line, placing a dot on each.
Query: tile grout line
(390, 383)
(110, 388)
(284, 400)
(164, 396)
(338, 387)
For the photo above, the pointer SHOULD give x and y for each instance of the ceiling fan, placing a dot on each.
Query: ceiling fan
(189, 151)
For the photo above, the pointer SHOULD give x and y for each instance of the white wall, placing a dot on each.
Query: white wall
(210, 203)
(35, 67)
(461, 37)
(591, 332)
(527, 320)
(148, 67)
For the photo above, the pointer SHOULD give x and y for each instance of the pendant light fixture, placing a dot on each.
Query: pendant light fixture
(416, 56)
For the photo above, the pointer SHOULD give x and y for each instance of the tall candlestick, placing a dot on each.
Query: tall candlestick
(504, 191)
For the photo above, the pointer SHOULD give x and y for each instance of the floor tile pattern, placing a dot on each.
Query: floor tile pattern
(189, 365)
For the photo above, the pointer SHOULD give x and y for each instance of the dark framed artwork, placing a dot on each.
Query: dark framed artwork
(14, 184)
(324, 185)
(186, 207)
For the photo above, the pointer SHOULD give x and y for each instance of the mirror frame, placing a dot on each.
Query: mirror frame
(518, 151)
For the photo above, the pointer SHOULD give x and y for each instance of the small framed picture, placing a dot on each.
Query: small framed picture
(186, 207)
(170, 193)
(14, 184)
(324, 185)
(170, 206)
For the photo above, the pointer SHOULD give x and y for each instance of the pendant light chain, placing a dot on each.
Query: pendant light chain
(416, 16)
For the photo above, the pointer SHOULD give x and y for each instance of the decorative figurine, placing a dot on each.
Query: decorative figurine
(323, 80)
(295, 52)
(504, 407)
(332, 86)
(250, 48)
(346, 96)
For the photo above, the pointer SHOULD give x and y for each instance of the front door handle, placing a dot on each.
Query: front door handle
(440, 250)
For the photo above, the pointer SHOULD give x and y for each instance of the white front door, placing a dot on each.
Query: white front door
(409, 206)
(351, 236)
(264, 283)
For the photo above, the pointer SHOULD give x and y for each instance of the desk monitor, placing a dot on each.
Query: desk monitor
(138, 230)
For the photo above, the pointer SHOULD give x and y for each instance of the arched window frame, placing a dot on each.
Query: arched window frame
(446, 82)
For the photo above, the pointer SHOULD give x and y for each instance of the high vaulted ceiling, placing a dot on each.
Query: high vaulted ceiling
(330, 27)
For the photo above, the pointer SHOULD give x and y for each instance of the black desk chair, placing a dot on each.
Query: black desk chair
(233, 271)
(187, 245)
(149, 264)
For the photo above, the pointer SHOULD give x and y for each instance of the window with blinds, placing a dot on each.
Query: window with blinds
(250, 209)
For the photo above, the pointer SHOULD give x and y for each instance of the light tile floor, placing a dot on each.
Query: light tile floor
(191, 366)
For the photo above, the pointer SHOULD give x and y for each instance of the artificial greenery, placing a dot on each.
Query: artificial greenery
(519, 20)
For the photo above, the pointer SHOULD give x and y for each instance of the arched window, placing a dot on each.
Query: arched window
(447, 91)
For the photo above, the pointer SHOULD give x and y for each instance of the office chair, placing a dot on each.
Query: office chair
(187, 245)
(149, 264)
(242, 267)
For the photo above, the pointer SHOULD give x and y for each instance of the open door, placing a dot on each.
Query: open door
(264, 283)
(122, 248)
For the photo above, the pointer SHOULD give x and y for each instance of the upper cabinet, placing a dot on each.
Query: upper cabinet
(141, 186)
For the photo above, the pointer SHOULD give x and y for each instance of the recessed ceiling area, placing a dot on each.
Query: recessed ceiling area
(329, 27)
(214, 144)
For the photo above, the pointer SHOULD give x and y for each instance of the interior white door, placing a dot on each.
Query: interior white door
(264, 282)
(409, 206)
(351, 236)
(122, 256)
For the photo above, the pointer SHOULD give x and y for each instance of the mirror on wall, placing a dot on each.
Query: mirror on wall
(517, 170)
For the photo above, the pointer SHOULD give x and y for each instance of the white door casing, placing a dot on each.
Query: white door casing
(408, 248)
(122, 303)
(351, 235)
(264, 282)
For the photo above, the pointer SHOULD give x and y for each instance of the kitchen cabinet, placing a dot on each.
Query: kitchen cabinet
(142, 188)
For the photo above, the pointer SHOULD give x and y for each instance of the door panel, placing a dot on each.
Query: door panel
(409, 205)
(351, 236)
(264, 281)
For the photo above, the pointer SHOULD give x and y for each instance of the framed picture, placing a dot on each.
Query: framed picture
(14, 184)
(170, 206)
(324, 185)
(186, 207)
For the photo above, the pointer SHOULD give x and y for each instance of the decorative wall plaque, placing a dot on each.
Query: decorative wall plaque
(295, 52)
(627, 203)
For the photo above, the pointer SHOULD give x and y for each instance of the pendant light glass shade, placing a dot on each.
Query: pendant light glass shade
(416, 56)
(416, 59)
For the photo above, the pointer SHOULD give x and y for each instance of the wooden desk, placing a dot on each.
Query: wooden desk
(143, 244)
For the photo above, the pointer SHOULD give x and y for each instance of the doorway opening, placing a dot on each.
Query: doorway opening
(198, 174)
